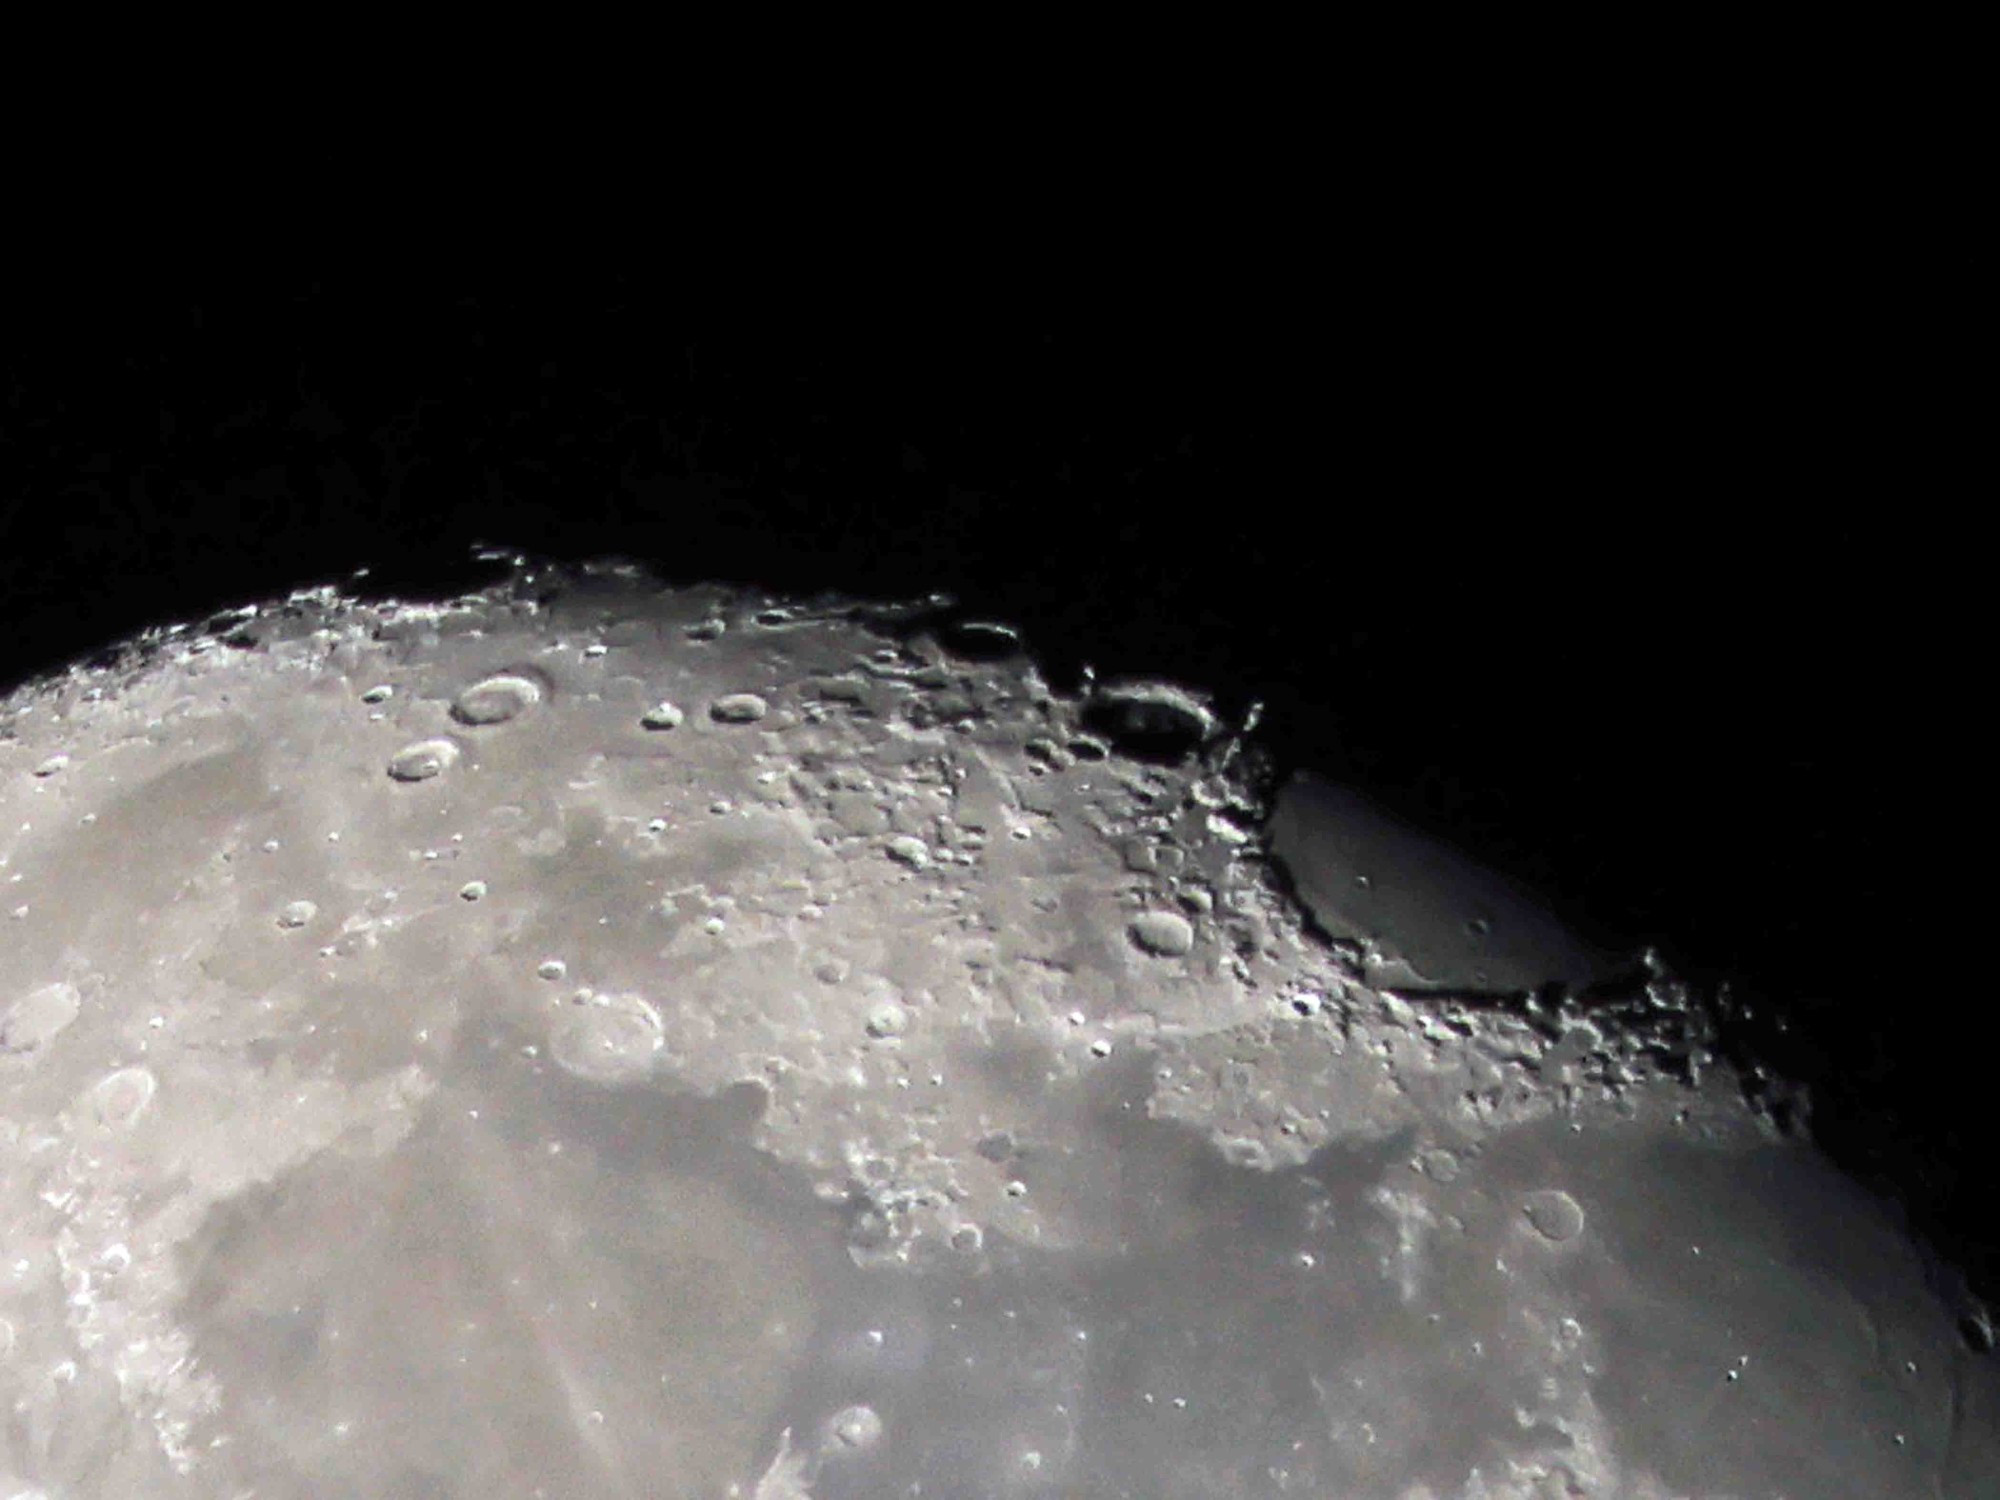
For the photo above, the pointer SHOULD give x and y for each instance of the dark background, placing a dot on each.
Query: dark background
(1597, 532)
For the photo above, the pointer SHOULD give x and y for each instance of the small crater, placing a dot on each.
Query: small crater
(1977, 1331)
(855, 1427)
(423, 760)
(1155, 724)
(39, 1017)
(1554, 1215)
(1164, 934)
(1439, 1165)
(888, 1020)
(120, 1098)
(608, 1038)
(496, 699)
(738, 708)
(980, 640)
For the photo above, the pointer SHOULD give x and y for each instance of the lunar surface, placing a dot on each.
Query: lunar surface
(595, 1039)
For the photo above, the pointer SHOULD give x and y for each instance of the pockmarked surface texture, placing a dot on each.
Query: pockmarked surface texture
(598, 1040)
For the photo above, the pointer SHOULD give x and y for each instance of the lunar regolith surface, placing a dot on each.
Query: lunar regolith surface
(597, 1039)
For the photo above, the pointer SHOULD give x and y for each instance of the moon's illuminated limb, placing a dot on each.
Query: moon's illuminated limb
(681, 1044)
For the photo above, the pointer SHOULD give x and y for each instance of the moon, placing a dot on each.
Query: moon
(592, 1037)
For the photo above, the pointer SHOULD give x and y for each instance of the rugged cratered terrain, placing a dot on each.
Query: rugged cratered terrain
(595, 1040)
